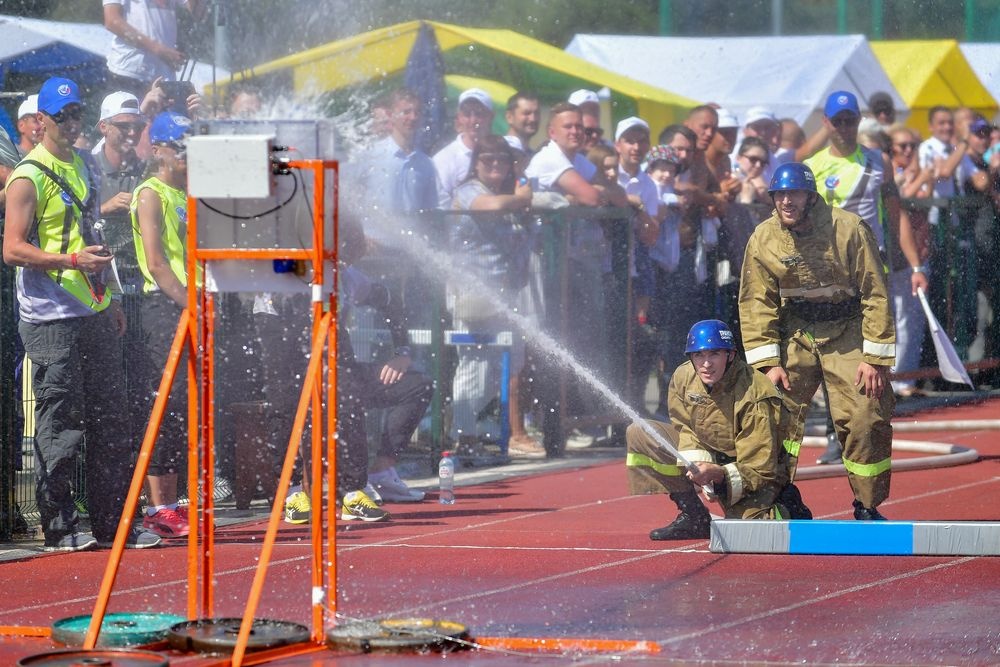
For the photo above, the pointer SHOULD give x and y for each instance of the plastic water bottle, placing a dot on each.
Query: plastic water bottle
(446, 479)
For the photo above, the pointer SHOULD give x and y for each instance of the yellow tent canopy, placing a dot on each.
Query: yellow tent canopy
(499, 55)
(931, 72)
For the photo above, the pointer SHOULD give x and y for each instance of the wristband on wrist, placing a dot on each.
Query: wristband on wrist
(919, 269)
(73, 257)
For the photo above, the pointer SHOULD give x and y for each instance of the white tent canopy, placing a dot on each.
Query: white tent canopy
(791, 76)
(34, 46)
(985, 62)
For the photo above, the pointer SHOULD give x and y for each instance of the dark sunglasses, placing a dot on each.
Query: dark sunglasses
(757, 160)
(594, 131)
(847, 121)
(126, 127)
(76, 113)
(176, 145)
(903, 145)
(495, 159)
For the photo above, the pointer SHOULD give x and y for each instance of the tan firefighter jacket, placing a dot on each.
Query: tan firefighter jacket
(743, 419)
(822, 279)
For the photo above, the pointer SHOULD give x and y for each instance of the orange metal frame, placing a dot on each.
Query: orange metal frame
(196, 330)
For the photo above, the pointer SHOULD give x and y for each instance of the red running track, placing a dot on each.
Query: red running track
(566, 555)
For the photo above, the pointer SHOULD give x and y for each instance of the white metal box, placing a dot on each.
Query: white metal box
(236, 166)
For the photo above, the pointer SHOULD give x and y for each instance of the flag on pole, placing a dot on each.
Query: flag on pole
(952, 368)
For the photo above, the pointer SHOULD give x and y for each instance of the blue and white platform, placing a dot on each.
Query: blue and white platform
(860, 538)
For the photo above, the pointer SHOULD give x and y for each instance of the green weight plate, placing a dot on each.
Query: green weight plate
(218, 635)
(95, 658)
(398, 634)
(117, 630)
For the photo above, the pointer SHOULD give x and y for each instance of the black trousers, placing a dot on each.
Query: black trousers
(79, 394)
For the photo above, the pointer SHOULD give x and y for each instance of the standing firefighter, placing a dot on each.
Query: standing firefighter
(732, 424)
(814, 307)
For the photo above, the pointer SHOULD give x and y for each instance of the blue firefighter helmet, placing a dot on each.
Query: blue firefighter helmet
(710, 335)
(792, 176)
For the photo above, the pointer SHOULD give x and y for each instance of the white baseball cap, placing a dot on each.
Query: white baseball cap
(755, 114)
(627, 124)
(119, 103)
(583, 96)
(29, 107)
(727, 119)
(479, 95)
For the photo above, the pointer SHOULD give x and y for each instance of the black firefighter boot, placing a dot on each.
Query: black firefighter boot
(792, 500)
(862, 513)
(693, 523)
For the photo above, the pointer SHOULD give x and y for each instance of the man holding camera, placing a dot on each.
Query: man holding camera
(69, 325)
(144, 46)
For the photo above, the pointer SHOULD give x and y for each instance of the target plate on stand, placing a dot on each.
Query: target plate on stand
(117, 630)
(95, 658)
(398, 634)
(218, 635)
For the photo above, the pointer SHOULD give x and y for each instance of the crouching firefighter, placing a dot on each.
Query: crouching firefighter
(734, 426)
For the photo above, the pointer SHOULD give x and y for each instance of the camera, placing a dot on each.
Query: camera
(177, 92)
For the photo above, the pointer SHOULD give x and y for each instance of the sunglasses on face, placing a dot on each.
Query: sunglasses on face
(594, 131)
(903, 145)
(755, 159)
(75, 113)
(125, 128)
(495, 160)
(844, 122)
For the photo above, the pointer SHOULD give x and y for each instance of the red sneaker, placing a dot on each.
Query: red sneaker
(167, 523)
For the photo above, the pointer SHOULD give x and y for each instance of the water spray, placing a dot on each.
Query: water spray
(443, 264)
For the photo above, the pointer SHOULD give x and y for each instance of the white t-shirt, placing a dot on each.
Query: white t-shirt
(549, 163)
(452, 164)
(157, 19)
(934, 149)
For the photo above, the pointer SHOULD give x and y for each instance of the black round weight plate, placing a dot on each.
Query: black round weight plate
(218, 635)
(398, 634)
(95, 658)
(117, 630)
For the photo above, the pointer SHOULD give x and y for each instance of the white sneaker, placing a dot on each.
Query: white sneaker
(392, 489)
(373, 494)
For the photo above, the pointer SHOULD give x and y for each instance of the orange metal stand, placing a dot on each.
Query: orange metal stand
(196, 331)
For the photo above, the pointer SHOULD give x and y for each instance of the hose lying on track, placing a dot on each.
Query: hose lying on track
(944, 455)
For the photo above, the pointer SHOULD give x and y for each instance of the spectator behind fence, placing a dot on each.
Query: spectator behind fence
(911, 323)
(633, 144)
(945, 153)
(792, 135)
(751, 162)
(144, 43)
(590, 116)
(473, 121)
(522, 118)
(121, 124)
(682, 287)
(494, 246)
(717, 155)
(883, 109)
(28, 125)
(67, 320)
(980, 191)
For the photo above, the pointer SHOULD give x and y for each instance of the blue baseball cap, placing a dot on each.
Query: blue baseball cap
(57, 93)
(168, 127)
(841, 100)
